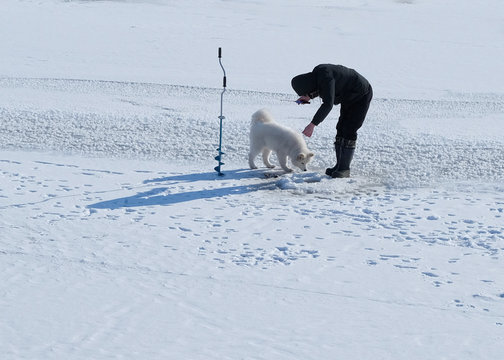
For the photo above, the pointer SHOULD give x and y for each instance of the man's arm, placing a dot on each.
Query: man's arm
(326, 93)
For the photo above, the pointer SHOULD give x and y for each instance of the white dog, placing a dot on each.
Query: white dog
(266, 136)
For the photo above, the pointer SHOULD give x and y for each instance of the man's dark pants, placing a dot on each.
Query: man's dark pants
(352, 116)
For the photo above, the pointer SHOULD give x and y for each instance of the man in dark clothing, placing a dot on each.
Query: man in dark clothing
(336, 84)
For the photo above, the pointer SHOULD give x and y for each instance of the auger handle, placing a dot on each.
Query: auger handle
(224, 71)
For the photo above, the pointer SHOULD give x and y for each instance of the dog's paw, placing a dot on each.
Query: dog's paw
(270, 166)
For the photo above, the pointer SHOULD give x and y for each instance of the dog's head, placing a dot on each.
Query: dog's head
(302, 160)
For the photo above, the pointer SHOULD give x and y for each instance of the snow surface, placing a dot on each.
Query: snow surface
(119, 241)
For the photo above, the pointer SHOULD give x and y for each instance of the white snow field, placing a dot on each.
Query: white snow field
(119, 241)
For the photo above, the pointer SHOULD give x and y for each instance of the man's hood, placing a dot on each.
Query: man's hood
(304, 84)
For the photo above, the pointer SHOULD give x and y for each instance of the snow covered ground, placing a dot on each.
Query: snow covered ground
(118, 240)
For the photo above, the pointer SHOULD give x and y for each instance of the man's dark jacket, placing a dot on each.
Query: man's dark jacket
(335, 84)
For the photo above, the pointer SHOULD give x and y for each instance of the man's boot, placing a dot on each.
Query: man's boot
(345, 149)
(337, 148)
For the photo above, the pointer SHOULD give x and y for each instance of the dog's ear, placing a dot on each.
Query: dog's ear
(310, 155)
(300, 157)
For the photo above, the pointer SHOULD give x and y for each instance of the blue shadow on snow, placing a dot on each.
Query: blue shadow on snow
(158, 196)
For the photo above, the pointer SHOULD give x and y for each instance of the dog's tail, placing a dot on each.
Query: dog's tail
(261, 116)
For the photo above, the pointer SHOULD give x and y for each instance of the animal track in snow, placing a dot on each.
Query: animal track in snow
(263, 257)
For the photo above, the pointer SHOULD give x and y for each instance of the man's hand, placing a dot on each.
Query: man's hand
(308, 131)
(303, 100)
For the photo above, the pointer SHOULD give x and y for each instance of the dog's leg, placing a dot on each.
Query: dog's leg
(282, 159)
(265, 155)
(251, 161)
(252, 155)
